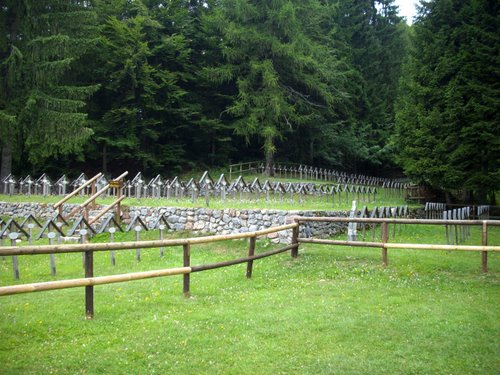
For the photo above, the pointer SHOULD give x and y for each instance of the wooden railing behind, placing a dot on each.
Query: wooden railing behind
(116, 183)
(92, 181)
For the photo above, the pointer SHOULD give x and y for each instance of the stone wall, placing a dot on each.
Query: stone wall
(229, 221)
(204, 220)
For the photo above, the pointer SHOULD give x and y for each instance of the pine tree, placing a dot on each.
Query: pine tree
(281, 75)
(42, 105)
(448, 120)
(141, 115)
(375, 36)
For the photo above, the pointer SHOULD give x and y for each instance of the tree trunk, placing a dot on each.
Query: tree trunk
(270, 164)
(6, 165)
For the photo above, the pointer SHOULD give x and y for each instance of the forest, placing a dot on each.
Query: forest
(166, 86)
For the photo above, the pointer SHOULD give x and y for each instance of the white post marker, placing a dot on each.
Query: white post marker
(83, 238)
(162, 228)
(112, 231)
(30, 232)
(13, 236)
(51, 236)
(137, 229)
(352, 234)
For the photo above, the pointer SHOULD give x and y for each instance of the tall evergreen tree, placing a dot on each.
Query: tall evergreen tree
(282, 75)
(141, 115)
(448, 119)
(375, 36)
(42, 105)
(205, 136)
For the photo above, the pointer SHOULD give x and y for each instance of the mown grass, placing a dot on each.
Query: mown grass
(243, 201)
(332, 310)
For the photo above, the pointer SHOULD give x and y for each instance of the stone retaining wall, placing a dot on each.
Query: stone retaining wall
(231, 220)
(204, 220)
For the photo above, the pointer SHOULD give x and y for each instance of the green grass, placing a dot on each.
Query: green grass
(332, 310)
(245, 202)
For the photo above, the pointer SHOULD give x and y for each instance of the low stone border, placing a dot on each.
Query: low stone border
(204, 220)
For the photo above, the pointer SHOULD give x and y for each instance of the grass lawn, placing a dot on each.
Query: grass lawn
(384, 197)
(330, 311)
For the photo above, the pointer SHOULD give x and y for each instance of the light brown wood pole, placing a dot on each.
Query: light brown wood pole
(89, 290)
(93, 190)
(118, 206)
(186, 262)
(295, 241)
(484, 254)
(251, 252)
(385, 238)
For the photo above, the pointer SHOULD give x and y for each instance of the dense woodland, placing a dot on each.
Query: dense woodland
(166, 86)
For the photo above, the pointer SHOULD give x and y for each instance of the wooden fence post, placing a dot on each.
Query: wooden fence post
(251, 252)
(186, 263)
(385, 238)
(118, 215)
(295, 241)
(484, 254)
(89, 290)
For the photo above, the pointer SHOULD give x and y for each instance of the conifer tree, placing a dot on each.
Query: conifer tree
(282, 76)
(140, 114)
(42, 104)
(375, 36)
(448, 119)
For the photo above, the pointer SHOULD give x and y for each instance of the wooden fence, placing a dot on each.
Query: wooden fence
(88, 250)
(385, 244)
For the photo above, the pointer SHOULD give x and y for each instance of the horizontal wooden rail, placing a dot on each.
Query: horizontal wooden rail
(76, 191)
(104, 189)
(395, 221)
(106, 209)
(76, 248)
(90, 281)
(401, 245)
(385, 245)
(242, 260)
(246, 163)
(441, 247)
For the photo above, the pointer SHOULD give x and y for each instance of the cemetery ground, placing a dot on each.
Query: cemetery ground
(310, 202)
(331, 310)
